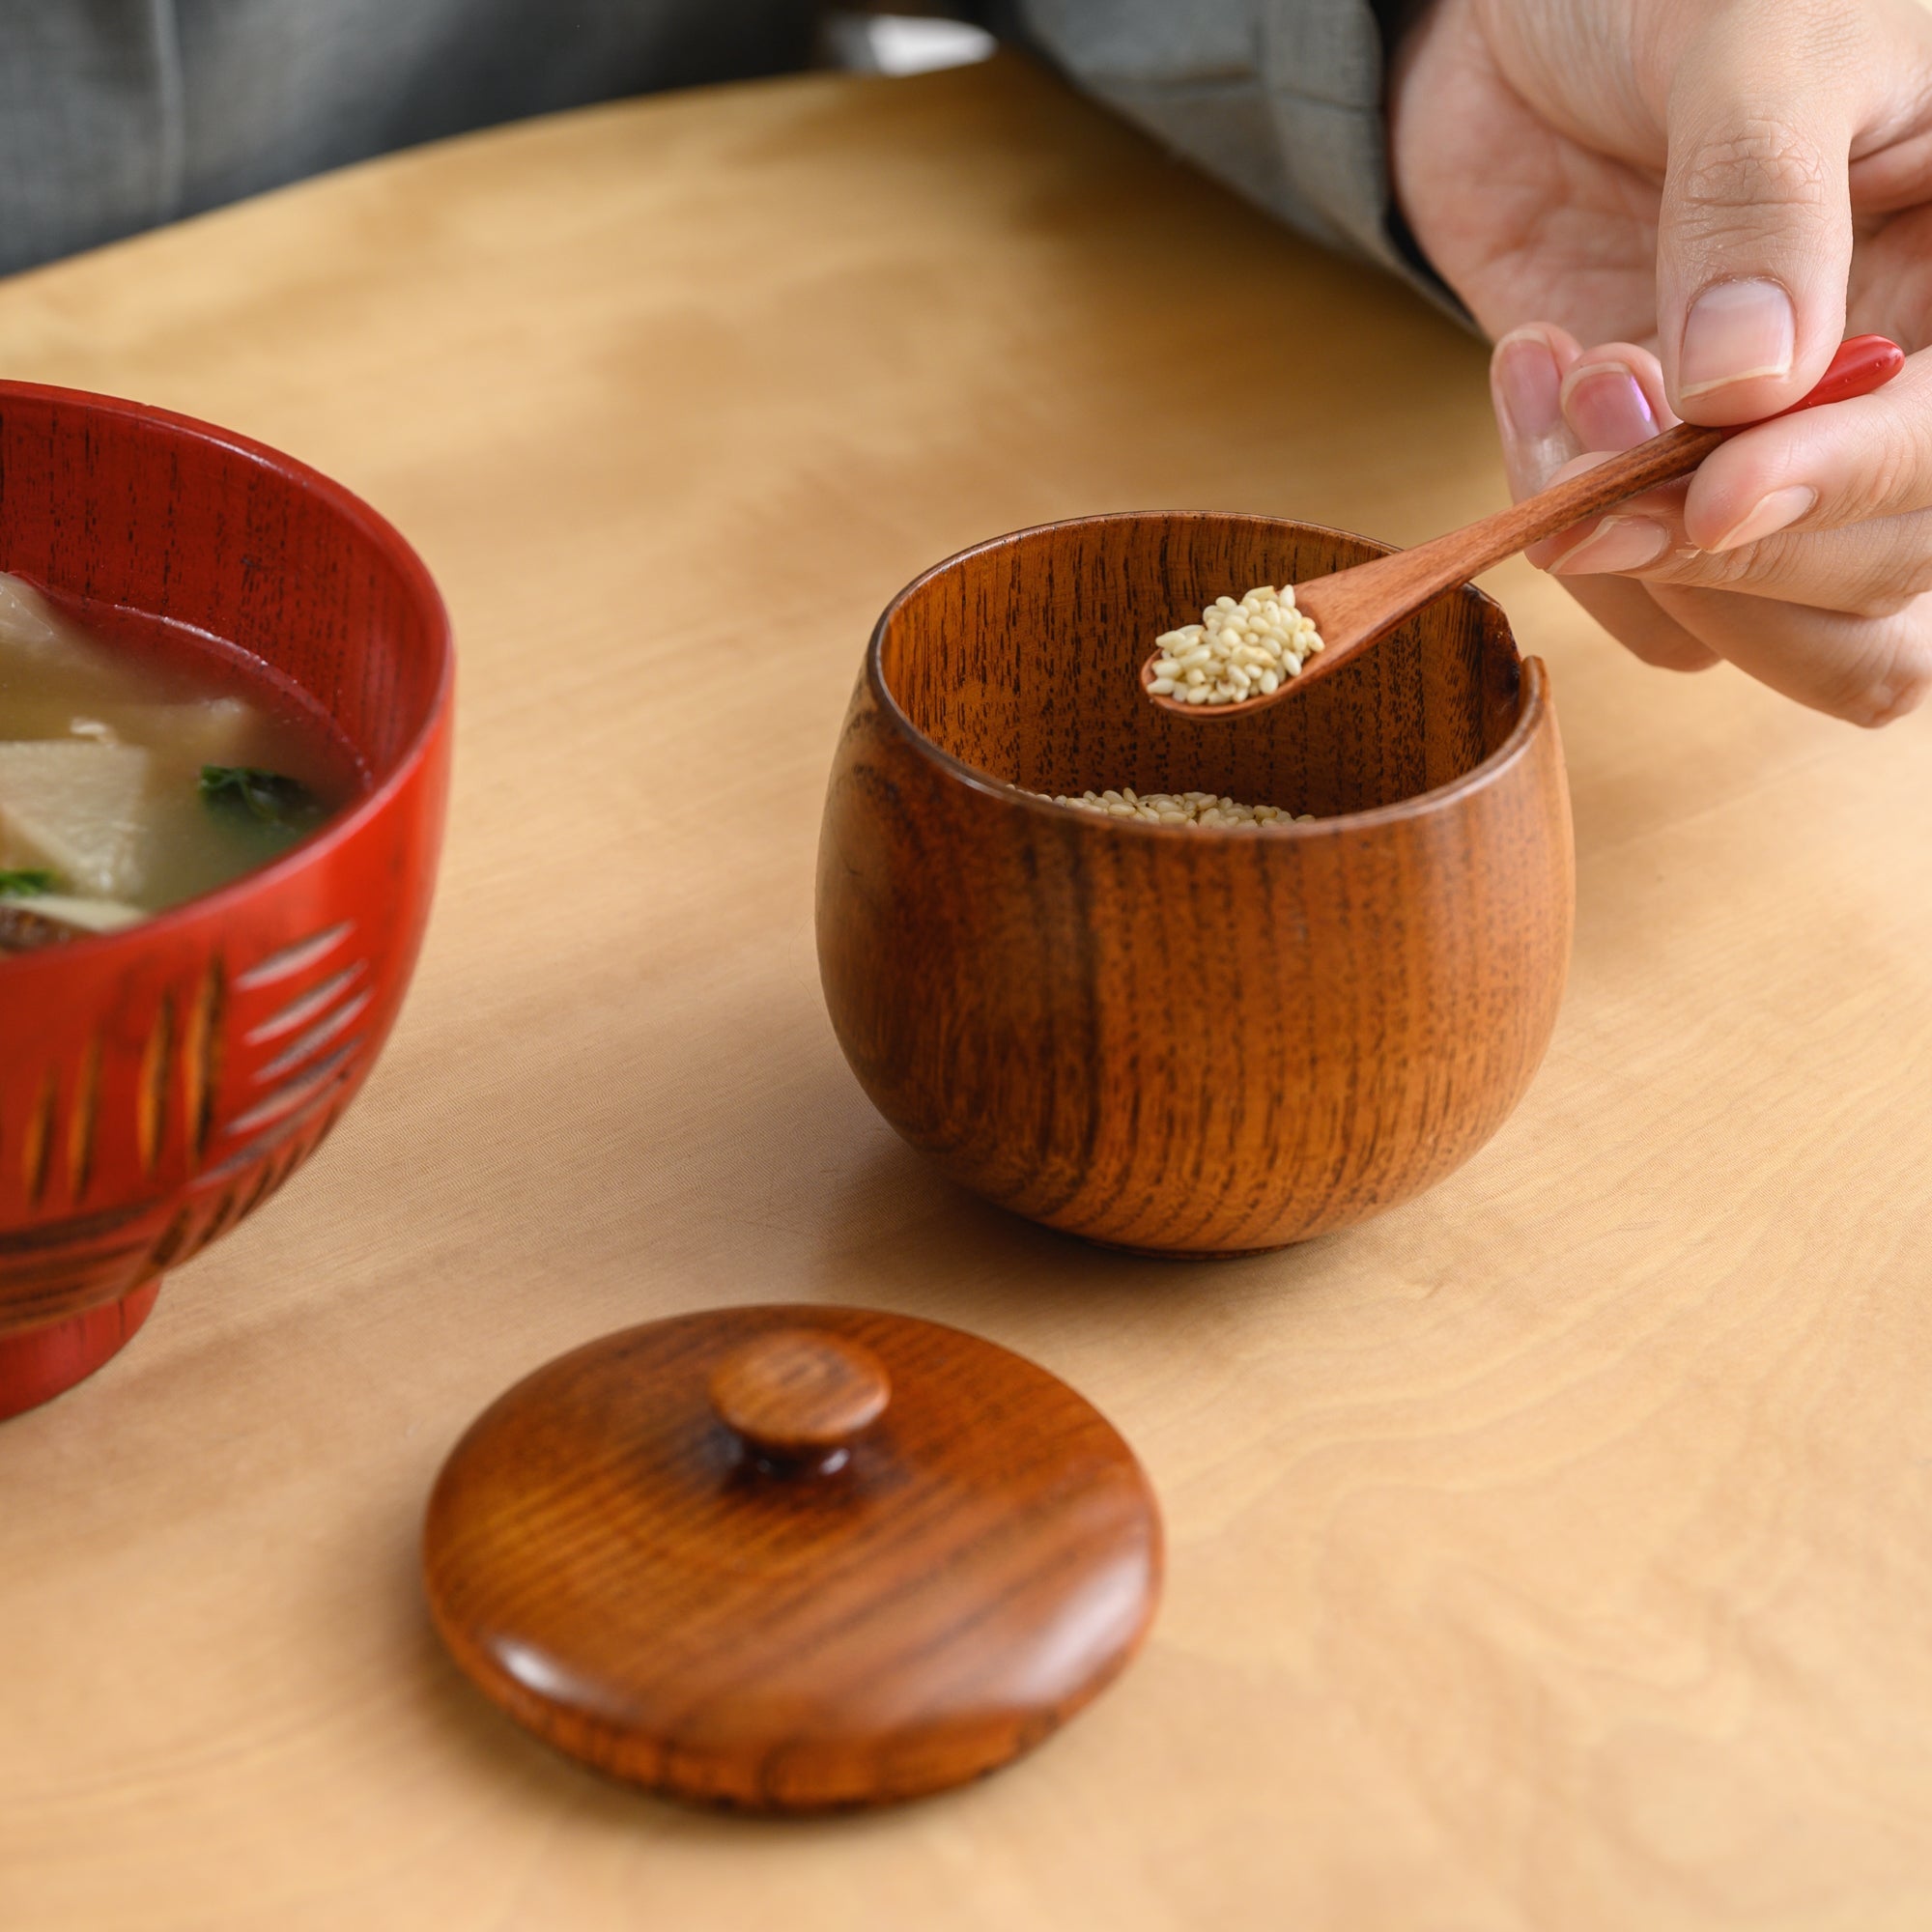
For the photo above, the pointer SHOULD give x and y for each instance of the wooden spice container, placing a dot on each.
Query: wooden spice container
(1184, 1041)
(791, 1558)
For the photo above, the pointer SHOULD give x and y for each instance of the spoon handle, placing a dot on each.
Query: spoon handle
(1865, 364)
(1354, 606)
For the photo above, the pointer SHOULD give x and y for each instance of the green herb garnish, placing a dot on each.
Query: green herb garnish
(265, 796)
(25, 883)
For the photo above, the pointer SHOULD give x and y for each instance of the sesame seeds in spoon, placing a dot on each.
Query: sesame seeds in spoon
(1238, 651)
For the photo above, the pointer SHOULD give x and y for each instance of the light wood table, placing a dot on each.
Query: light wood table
(1551, 1556)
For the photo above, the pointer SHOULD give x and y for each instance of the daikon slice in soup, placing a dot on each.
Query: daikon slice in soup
(141, 769)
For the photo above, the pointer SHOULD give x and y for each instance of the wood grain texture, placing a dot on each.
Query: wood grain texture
(623, 1572)
(799, 1393)
(1189, 1040)
(1550, 1554)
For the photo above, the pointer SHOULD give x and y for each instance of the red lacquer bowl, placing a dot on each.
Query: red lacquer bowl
(159, 1084)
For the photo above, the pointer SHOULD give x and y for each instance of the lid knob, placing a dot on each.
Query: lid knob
(800, 1395)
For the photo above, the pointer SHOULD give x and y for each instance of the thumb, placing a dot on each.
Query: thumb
(1754, 236)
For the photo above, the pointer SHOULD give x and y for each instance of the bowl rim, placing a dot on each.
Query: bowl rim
(384, 536)
(1532, 708)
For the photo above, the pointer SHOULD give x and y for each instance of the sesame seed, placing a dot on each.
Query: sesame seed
(1236, 648)
(1187, 807)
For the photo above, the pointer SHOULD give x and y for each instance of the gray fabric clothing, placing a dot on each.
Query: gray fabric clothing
(118, 114)
(1281, 98)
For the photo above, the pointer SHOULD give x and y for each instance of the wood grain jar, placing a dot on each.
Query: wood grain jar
(1189, 1042)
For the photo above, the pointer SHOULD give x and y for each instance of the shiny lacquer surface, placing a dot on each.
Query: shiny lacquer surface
(1179, 1039)
(792, 1559)
(159, 1084)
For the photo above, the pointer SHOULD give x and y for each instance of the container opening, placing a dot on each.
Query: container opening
(1022, 661)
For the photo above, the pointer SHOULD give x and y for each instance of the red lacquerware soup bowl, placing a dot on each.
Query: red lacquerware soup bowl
(158, 1083)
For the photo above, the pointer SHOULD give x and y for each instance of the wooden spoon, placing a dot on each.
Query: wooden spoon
(1354, 608)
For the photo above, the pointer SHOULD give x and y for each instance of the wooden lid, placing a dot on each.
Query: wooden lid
(792, 1557)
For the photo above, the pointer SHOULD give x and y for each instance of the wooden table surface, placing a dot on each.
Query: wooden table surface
(1554, 1553)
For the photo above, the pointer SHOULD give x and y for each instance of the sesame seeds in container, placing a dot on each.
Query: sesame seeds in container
(1236, 651)
(1185, 808)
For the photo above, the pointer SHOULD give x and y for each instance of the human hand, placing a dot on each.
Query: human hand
(1716, 192)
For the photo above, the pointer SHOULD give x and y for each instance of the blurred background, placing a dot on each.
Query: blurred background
(908, 42)
(118, 115)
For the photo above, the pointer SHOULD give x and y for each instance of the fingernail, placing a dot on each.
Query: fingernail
(1606, 406)
(1777, 511)
(1529, 387)
(1527, 384)
(1735, 331)
(1620, 543)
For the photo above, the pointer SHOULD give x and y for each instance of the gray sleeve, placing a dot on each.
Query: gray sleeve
(1280, 99)
(118, 114)
(90, 148)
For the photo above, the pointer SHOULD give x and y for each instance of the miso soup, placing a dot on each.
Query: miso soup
(140, 769)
